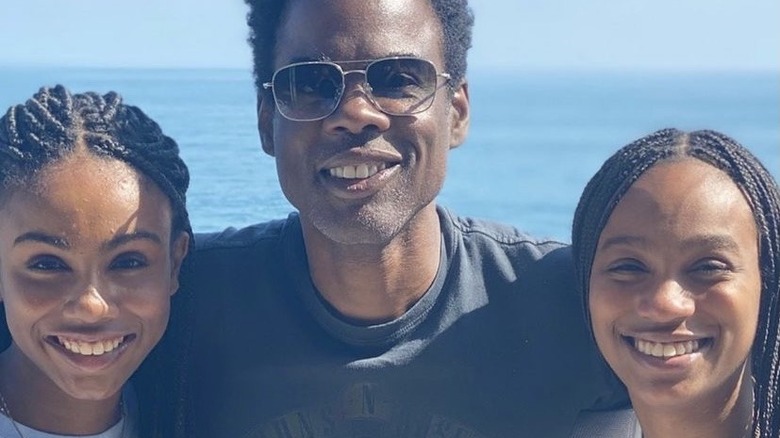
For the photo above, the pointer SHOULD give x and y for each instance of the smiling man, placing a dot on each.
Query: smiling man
(371, 311)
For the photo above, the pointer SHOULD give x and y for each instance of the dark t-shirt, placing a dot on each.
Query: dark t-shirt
(497, 347)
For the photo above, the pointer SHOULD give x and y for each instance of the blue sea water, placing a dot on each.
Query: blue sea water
(534, 141)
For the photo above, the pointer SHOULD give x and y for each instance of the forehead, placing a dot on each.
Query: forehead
(689, 179)
(65, 176)
(86, 198)
(84, 179)
(682, 197)
(358, 29)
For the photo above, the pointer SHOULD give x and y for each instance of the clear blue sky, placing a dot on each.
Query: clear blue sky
(511, 34)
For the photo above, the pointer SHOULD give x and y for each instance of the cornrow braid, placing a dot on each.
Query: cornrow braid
(53, 124)
(604, 191)
(31, 136)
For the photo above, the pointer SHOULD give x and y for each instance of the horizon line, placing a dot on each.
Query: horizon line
(478, 70)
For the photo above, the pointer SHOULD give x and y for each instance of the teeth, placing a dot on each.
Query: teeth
(666, 349)
(356, 172)
(90, 348)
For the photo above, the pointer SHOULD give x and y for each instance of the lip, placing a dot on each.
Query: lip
(90, 363)
(673, 364)
(389, 165)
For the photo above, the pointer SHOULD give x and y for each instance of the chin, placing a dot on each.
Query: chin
(663, 394)
(362, 230)
(93, 390)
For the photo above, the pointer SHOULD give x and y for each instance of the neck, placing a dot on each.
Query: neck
(369, 283)
(33, 400)
(727, 414)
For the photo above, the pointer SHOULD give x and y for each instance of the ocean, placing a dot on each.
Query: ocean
(535, 138)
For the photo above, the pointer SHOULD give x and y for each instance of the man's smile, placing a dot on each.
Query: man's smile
(357, 172)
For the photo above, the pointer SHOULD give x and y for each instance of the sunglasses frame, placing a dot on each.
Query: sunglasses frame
(369, 62)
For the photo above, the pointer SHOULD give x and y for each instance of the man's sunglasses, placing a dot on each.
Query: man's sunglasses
(398, 86)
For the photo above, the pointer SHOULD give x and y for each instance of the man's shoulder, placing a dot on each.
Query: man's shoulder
(241, 238)
(483, 233)
(238, 258)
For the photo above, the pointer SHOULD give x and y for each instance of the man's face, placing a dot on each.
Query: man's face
(360, 175)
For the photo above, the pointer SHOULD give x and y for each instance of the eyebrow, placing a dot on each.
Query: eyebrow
(36, 236)
(125, 238)
(623, 240)
(712, 241)
(61, 243)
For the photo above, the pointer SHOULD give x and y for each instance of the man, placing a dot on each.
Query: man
(371, 312)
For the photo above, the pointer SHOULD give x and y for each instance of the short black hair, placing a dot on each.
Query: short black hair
(622, 169)
(264, 17)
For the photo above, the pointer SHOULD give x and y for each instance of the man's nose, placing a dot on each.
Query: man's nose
(356, 111)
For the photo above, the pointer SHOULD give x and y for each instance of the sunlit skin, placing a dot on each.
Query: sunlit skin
(678, 261)
(86, 255)
(372, 243)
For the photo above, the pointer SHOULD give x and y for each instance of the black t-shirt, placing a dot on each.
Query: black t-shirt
(497, 347)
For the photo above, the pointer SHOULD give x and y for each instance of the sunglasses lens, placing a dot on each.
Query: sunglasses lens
(402, 85)
(398, 86)
(307, 91)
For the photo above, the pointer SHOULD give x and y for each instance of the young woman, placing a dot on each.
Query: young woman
(676, 242)
(93, 230)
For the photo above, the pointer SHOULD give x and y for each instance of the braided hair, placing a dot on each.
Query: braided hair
(265, 16)
(53, 124)
(622, 169)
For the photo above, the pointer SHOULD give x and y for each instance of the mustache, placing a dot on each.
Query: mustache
(350, 140)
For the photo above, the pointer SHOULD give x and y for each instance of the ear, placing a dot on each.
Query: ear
(265, 118)
(459, 126)
(179, 249)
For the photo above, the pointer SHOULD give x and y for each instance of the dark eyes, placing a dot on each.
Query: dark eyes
(400, 80)
(628, 266)
(319, 86)
(47, 263)
(710, 269)
(124, 261)
(711, 265)
(706, 269)
(130, 260)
